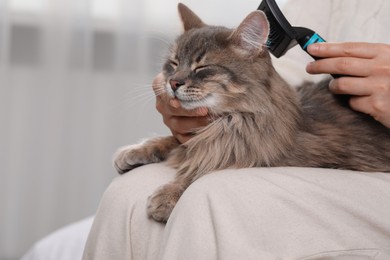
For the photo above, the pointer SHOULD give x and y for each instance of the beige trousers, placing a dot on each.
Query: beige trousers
(258, 213)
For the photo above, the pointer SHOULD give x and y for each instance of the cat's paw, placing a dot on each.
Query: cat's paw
(162, 202)
(152, 150)
(132, 156)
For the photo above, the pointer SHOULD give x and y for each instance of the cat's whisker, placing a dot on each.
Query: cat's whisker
(160, 91)
(137, 100)
(160, 36)
(141, 94)
(129, 96)
(166, 40)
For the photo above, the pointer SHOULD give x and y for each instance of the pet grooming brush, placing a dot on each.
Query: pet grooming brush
(282, 35)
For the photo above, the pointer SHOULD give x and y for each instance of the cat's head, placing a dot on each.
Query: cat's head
(217, 67)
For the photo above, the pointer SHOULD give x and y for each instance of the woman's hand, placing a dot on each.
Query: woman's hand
(181, 122)
(368, 65)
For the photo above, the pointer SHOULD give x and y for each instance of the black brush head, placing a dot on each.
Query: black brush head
(282, 35)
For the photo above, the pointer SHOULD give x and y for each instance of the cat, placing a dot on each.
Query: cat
(258, 120)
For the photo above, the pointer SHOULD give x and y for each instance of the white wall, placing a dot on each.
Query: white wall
(72, 90)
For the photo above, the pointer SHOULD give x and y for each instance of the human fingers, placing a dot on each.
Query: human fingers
(351, 58)
(182, 123)
(376, 106)
(346, 49)
(369, 95)
(185, 125)
(184, 128)
(352, 86)
(341, 66)
(370, 63)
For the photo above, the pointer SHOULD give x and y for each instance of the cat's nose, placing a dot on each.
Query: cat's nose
(175, 84)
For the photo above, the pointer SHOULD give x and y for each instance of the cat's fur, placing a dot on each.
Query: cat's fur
(258, 119)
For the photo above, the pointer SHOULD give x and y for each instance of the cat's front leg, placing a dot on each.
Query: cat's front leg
(163, 200)
(150, 151)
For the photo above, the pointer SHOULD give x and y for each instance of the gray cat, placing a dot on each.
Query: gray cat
(258, 120)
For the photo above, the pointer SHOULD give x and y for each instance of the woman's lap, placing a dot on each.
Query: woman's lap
(258, 213)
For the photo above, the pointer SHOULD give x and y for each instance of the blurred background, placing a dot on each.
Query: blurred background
(74, 86)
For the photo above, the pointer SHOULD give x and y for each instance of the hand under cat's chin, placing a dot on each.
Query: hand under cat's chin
(174, 102)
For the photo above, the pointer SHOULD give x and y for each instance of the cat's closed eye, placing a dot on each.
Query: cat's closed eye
(173, 64)
(199, 68)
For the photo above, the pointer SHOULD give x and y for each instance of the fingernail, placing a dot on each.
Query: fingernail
(309, 66)
(174, 103)
(315, 47)
(331, 84)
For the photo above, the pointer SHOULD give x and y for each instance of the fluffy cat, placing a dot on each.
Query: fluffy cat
(258, 119)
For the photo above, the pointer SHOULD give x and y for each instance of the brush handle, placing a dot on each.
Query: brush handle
(305, 37)
(310, 39)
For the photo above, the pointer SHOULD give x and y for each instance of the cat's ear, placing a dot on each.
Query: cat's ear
(252, 34)
(189, 18)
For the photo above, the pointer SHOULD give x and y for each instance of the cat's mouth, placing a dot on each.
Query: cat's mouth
(190, 99)
(190, 103)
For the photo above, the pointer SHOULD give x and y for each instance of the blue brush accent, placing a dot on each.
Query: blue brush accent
(313, 39)
(269, 43)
